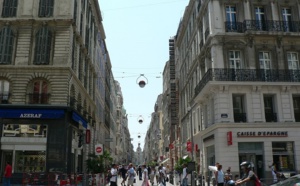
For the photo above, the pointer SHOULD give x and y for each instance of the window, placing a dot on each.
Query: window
(4, 91)
(43, 46)
(296, 104)
(239, 108)
(283, 156)
(260, 18)
(46, 8)
(9, 8)
(269, 103)
(293, 61)
(6, 45)
(39, 93)
(287, 19)
(30, 161)
(265, 65)
(235, 59)
(231, 18)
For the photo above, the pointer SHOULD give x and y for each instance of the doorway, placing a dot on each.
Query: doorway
(6, 156)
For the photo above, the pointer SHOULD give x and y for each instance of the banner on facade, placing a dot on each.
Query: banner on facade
(98, 149)
(189, 146)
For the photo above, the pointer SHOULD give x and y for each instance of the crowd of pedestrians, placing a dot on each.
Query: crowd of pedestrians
(129, 174)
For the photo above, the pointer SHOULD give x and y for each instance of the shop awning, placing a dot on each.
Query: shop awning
(165, 161)
(76, 117)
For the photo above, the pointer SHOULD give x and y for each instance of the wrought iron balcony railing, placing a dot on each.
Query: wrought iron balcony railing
(37, 98)
(240, 117)
(254, 75)
(262, 25)
(234, 26)
(271, 117)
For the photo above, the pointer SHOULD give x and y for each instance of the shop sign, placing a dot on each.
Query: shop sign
(263, 134)
(229, 138)
(189, 146)
(99, 149)
(88, 136)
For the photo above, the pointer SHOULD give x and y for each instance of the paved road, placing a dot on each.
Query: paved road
(139, 182)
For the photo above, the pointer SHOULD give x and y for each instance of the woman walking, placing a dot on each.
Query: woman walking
(145, 176)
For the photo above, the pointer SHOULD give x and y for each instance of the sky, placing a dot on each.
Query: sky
(137, 39)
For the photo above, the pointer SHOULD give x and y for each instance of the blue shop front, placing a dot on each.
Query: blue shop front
(41, 139)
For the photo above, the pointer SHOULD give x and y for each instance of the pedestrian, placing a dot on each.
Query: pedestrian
(7, 174)
(249, 176)
(157, 173)
(152, 175)
(220, 176)
(184, 175)
(274, 172)
(228, 175)
(145, 175)
(114, 175)
(122, 172)
(140, 172)
(214, 178)
(130, 175)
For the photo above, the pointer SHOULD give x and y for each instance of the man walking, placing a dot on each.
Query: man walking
(184, 175)
(130, 175)
(114, 175)
(7, 174)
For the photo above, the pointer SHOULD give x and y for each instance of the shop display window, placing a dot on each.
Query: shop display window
(283, 156)
(24, 130)
(30, 161)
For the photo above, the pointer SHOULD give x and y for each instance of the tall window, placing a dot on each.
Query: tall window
(269, 103)
(293, 61)
(43, 46)
(39, 93)
(296, 104)
(234, 59)
(239, 108)
(4, 91)
(9, 8)
(287, 19)
(260, 18)
(231, 17)
(6, 45)
(265, 65)
(46, 8)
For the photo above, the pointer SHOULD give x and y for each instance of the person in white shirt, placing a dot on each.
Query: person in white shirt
(130, 175)
(114, 175)
(184, 175)
(157, 174)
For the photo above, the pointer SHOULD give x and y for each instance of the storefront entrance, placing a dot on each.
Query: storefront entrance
(6, 156)
(252, 152)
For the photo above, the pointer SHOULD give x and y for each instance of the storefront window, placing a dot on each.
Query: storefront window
(283, 156)
(24, 130)
(30, 161)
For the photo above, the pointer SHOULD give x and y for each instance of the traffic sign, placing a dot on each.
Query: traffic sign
(99, 149)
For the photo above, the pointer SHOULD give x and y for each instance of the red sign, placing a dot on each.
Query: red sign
(99, 150)
(88, 136)
(196, 148)
(189, 146)
(229, 138)
(171, 146)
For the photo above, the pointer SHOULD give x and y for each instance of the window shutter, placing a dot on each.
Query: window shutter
(6, 44)
(49, 8)
(14, 8)
(43, 46)
(48, 45)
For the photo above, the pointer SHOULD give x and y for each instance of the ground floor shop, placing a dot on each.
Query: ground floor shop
(230, 146)
(39, 140)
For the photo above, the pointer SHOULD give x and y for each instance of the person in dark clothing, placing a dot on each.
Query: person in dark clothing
(122, 172)
(140, 172)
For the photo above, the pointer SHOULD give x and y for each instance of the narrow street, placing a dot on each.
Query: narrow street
(139, 182)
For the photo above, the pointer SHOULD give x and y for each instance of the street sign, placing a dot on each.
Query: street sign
(108, 140)
(99, 149)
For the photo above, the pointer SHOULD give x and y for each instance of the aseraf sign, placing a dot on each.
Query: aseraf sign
(99, 149)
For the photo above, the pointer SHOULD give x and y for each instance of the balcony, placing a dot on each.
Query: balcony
(240, 117)
(267, 25)
(37, 98)
(271, 117)
(247, 75)
(234, 26)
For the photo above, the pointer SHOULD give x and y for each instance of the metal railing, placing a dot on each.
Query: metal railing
(247, 75)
